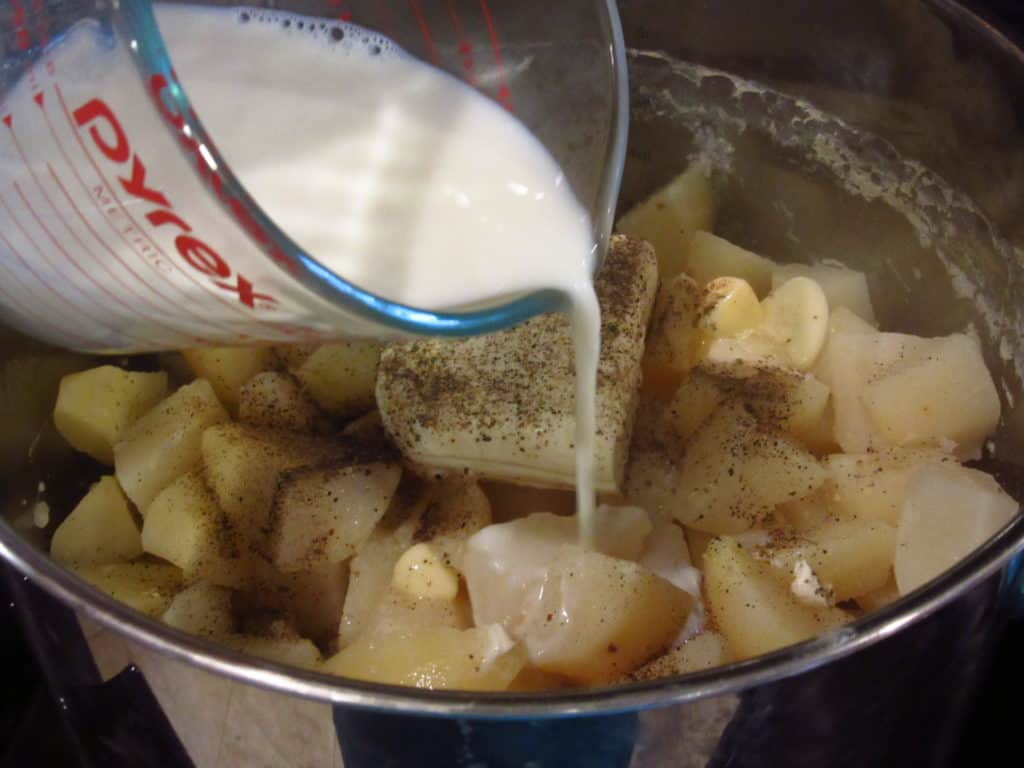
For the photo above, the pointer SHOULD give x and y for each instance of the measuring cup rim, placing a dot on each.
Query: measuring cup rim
(154, 61)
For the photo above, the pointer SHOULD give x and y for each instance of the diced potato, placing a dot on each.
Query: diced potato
(146, 587)
(949, 395)
(809, 512)
(735, 473)
(95, 407)
(782, 399)
(324, 515)
(885, 595)
(478, 659)
(847, 364)
(398, 613)
(186, 527)
(458, 509)
(243, 465)
(292, 356)
(314, 599)
(849, 558)
(341, 377)
(843, 287)
(710, 257)
(671, 341)
(594, 641)
(694, 401)
(871, 486)
(742, 357)
(652, 478)
(293, 651)
(202, 609)
(277, 400)
(755, 613)
(100, 529)
(165, 443)
(669, 217)
(947, 513)
(843, 320)
(228, 368)
(510, 501)
(372, 568)
(706, 650)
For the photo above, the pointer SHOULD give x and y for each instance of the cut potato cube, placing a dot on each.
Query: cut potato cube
(186, 527)
(670, 340)
(457, 510)
(734, 473)
(478, 659)
(293, 651)
(669, 218)
(324, 515)
(243, 466)
(202, 609)
(692, 404)
(146, 587)
(742, 357)
(706, 650)
(95, 407)
(277, 400)
(341, 377)
(710, 257)
(501, 406)
(751, 608)
(949, 395)
(782, 399)
(165, 443)
(843, 320)
(848, 363)
(398, 613)
(849, 558)
(843, 287)
(728, 307)
(947, 513)
(292, 356)
(372, 568)
(100, 529)
(808, 513)
(871, 486)
(652, 480)
(228, 368)
(594, 641)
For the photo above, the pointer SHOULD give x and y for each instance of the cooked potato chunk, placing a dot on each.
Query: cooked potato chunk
(101, 529)
(324, 515)
(669, 218)
(734, 473)
(849, 559)
(95, 407)
(478, 659)
(947, 395)
(948, 512)
(293, 651)
(457, 510)
(710, 257)
(146, 587)
(671, 339)
(706, 650)
(871, 486)
(243, 465)
(228, 368)
(165, 443)
(693, 402)
(594, 641)
(341, 377)
(398, 613)
(277, 400)
(202, 609)
(750, 607)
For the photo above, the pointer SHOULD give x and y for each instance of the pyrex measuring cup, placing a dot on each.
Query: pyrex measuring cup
(97, 254)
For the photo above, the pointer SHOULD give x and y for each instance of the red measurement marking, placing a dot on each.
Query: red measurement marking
(98, 203)
(38, 98)
(56, 211)
(465, 49)
(503, 93)
(61, 300)
(7, 120)
(206, 291)
(425, 31)
(385, 18)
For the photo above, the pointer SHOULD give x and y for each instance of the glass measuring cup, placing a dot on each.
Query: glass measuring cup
(122, 228)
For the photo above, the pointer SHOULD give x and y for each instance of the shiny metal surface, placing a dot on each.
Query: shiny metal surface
(842, 697)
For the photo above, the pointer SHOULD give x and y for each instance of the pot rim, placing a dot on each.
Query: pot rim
(787, 662)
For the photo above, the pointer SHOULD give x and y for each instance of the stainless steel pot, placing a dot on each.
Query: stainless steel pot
(884, 133)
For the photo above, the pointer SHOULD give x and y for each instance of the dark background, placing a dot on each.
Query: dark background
(30, 721)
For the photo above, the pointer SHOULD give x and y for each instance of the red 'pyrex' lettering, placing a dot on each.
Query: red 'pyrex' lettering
(109, 136)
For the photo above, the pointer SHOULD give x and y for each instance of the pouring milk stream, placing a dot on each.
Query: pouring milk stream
(393, 174)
